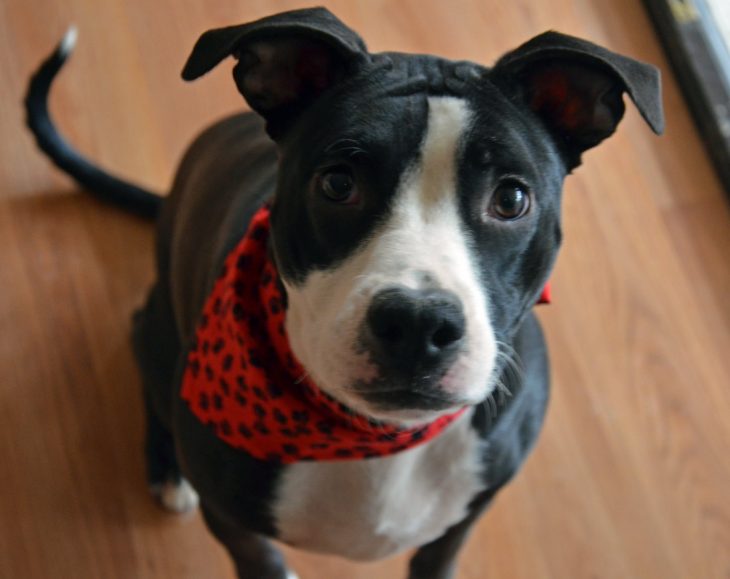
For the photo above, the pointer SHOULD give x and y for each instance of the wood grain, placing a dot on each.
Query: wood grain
(631, 478)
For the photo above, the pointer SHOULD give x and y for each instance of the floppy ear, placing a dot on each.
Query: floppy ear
(577, 87)
(285, 61)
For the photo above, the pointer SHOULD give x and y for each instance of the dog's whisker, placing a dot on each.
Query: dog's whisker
(513, 362)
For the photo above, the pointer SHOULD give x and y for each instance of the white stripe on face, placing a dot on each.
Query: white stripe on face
(422, 245)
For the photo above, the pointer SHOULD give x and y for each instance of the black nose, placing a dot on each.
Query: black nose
(414, 329)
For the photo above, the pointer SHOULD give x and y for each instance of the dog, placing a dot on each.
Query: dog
(404, 211)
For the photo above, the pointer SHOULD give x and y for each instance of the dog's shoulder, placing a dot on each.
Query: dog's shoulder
(225, 176)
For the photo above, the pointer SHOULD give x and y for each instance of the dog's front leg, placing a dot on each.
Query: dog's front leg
(254, 556)
(437, 560)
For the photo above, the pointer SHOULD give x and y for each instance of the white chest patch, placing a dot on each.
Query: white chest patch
(370, 509)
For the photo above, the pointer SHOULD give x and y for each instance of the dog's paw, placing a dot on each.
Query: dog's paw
(291, 575)
(176, 497)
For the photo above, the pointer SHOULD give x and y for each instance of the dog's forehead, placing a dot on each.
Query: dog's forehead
(426, 74)
(387, 103)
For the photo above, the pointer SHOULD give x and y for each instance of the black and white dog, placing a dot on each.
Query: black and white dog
(415, 218)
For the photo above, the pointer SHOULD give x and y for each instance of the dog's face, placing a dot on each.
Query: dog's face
(411, 232)
(416, 217)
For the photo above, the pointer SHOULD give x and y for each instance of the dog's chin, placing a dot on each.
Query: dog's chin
(402, 407)
(409, 417)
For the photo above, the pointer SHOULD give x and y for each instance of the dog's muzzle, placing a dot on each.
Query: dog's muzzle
(413, 337)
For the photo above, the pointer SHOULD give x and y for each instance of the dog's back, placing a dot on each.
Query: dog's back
(225, 175)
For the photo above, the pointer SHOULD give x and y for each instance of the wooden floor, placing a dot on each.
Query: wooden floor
(631, 478)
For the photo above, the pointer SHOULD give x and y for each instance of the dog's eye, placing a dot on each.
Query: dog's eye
(338, 185)
(510, 201)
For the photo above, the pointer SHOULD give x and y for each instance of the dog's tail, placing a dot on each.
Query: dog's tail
(90, 177)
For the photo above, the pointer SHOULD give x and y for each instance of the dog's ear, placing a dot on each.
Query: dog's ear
(577, 87)
(285, 61)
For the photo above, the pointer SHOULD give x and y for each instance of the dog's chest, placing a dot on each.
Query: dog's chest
(369, 509)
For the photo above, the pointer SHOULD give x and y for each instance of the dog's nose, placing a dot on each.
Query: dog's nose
(414, 329)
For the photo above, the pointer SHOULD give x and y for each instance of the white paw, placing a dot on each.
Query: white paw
(291, 575)
(177, 497)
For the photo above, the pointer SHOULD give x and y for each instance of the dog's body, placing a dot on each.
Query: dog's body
(371, 508)
(383, 174)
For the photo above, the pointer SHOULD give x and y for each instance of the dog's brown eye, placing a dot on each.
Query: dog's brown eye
(510, 201)
(338, 185)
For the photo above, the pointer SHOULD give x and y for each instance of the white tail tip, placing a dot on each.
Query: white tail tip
(69, 40)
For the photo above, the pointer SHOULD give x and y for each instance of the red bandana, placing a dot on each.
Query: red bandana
(546, 296)
(242, 379)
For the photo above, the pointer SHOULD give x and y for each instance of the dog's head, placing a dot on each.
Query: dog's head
(417, 214)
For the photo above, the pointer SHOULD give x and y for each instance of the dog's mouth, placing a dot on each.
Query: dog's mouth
(403, 405)
(406, 399)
